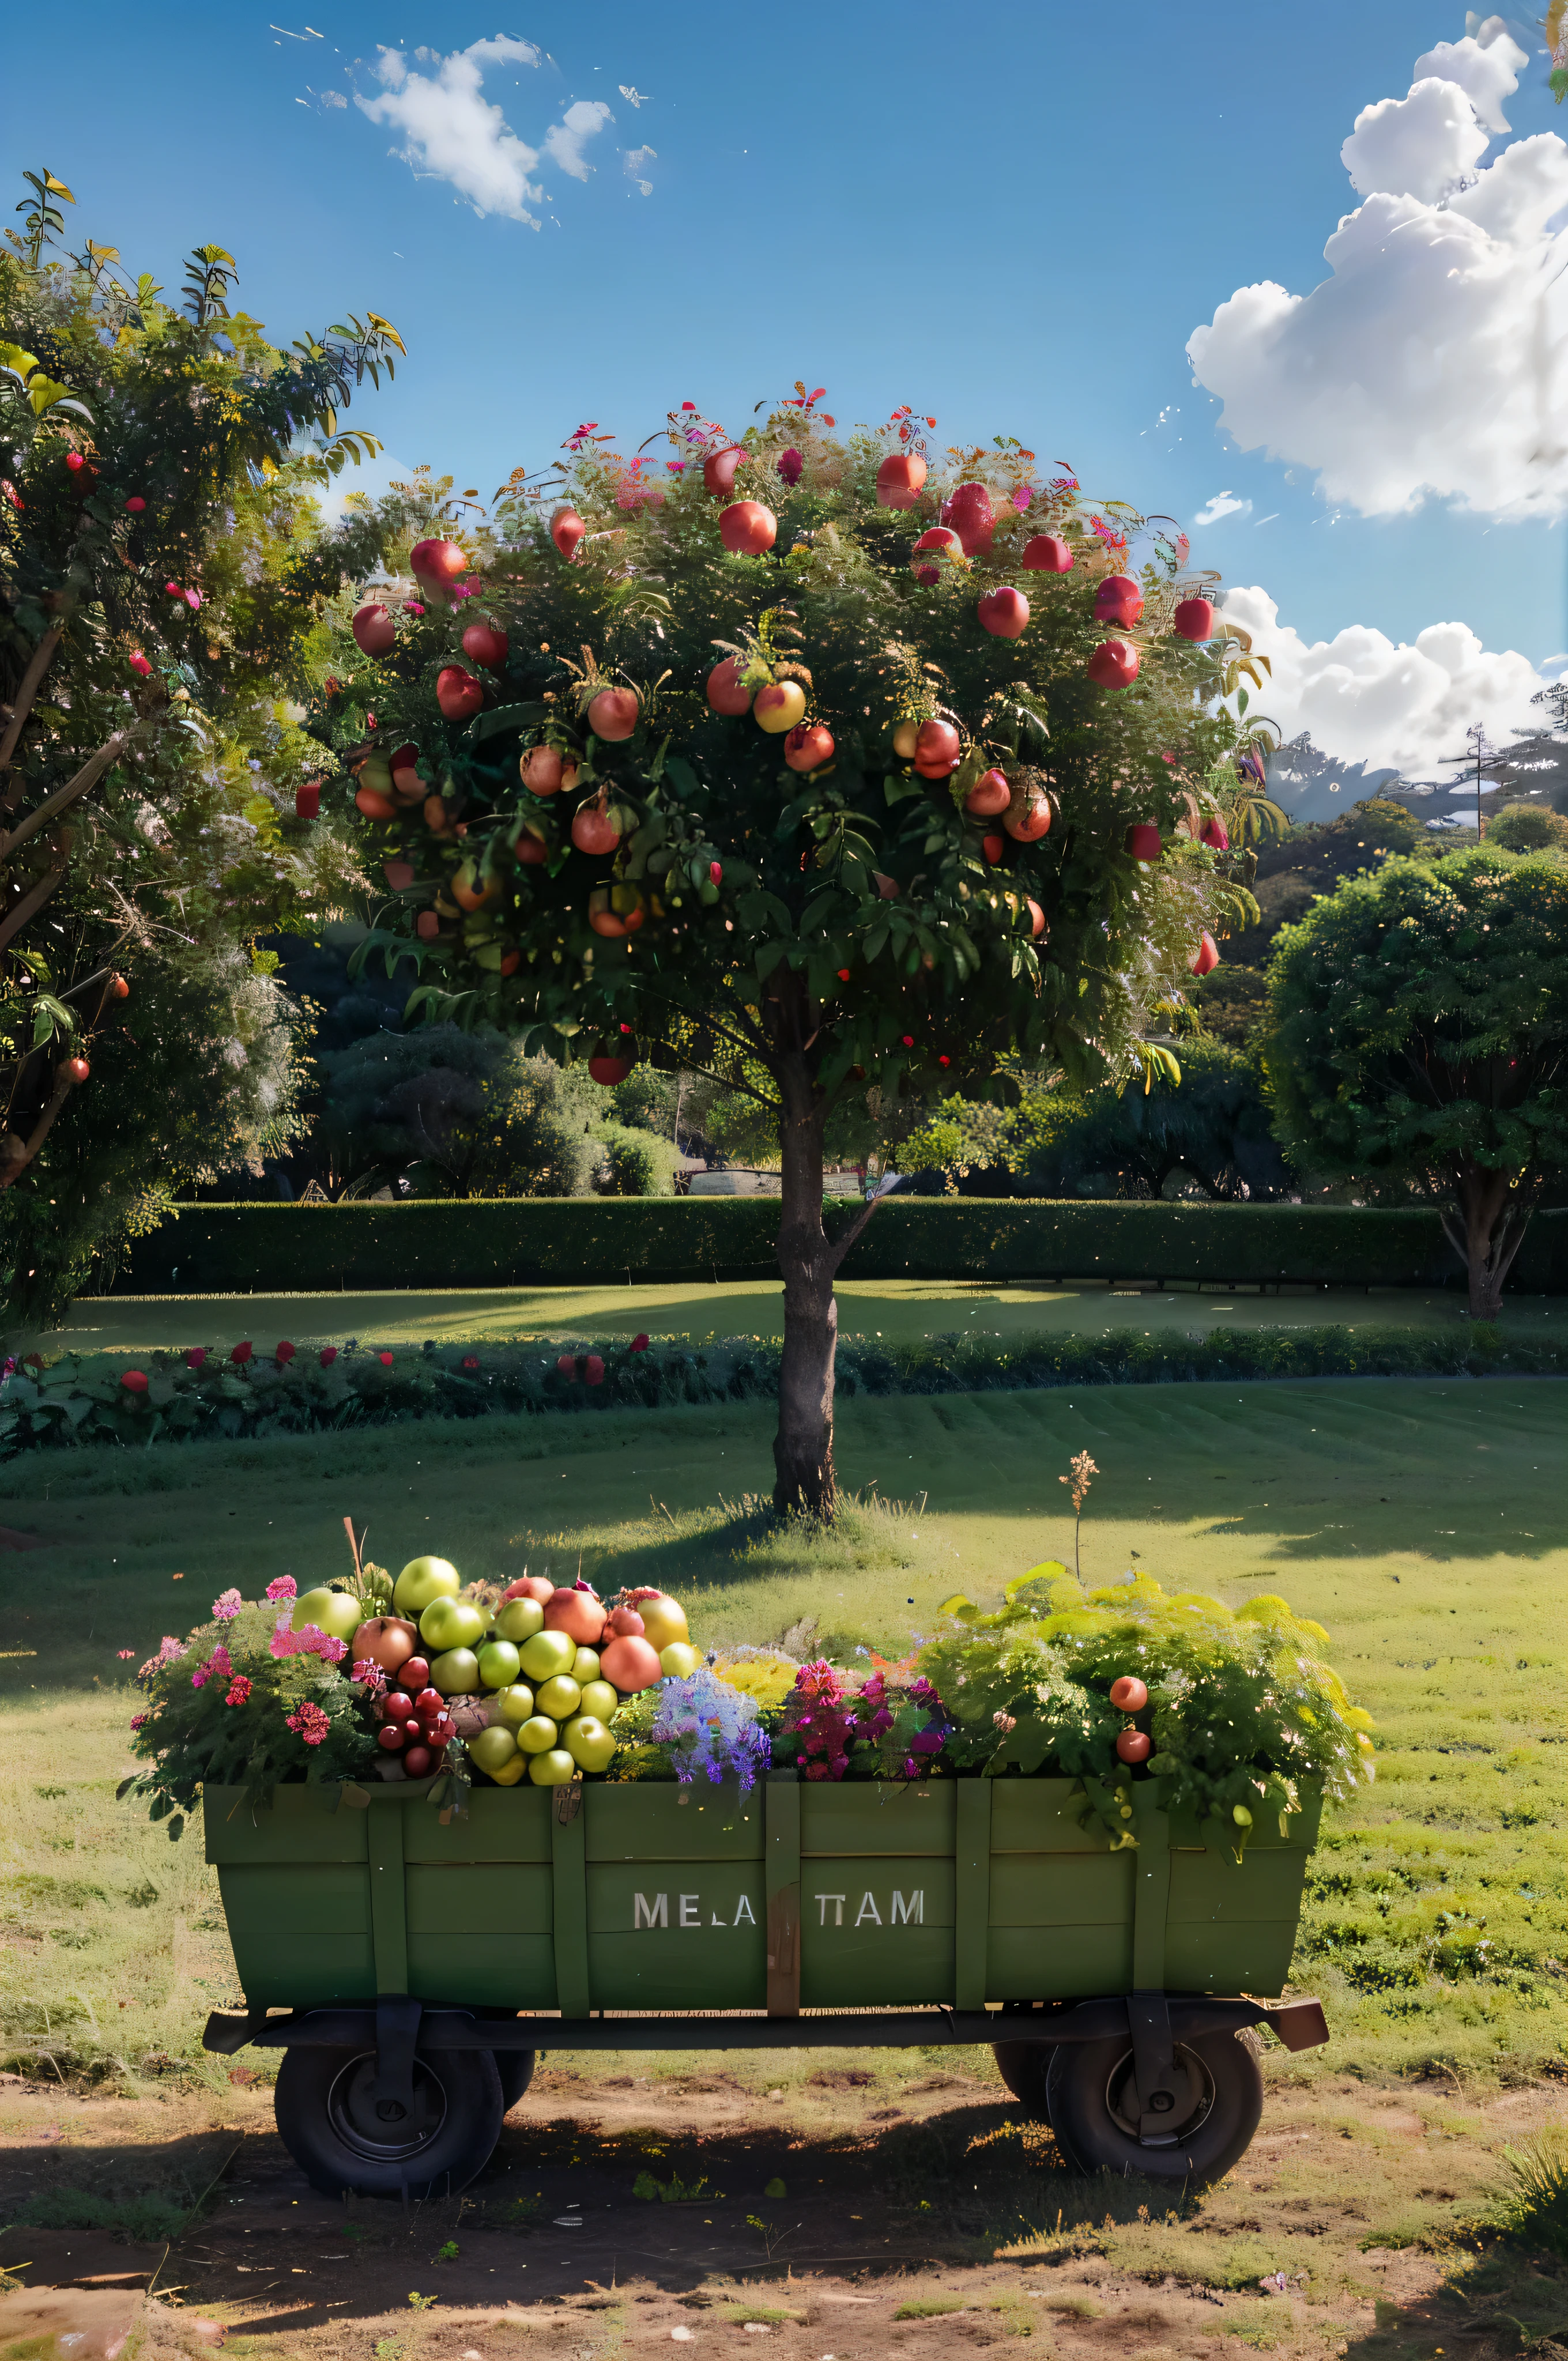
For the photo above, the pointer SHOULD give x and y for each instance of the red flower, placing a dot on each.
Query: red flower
(386, 1360)
(640, 1343)
(195, 1356)
(284, 1353)
(593, 1370)
(74, 460)
(136, 504)
(843, 975)
(134, 1382)
(141, 664)
(626, 1028)
(238, 1689)
(242, 1353)
(567, 1365)
(329, 1355)
(470, 1360)
(369, 721)
(908, 1040)
(715, 871)
(944, 1061)
(174, 590)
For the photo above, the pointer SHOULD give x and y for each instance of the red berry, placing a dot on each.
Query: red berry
(414, 1674)
(397, 1706)
(393, 1736)
(419, 1762)
(428, 1701)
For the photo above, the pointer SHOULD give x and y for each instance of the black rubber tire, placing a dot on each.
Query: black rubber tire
(1089, 2093)
(331, 2127)
(1024, 2066)
(515, 2067)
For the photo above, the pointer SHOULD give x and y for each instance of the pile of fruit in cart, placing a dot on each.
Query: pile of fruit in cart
(462, 1684)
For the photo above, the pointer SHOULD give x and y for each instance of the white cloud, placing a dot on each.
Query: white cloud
(1426, 364)
(636, 161)
(1222, 504)
(451, 134)
(1366, 701)
(564, 141)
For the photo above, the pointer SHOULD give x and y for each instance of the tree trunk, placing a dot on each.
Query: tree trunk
(1487, 1233)
(803, 1448)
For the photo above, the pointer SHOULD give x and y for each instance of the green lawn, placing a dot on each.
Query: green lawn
(901, 1311)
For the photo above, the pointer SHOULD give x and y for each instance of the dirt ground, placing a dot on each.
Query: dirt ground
(844, 2211)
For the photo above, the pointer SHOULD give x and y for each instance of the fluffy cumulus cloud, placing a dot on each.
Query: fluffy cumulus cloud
(452, 133)
(1366, 701)
(1428, 363)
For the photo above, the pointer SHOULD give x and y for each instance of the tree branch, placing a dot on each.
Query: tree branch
(843, 1244)
(15, 1154)
(30, 904)
(88, 776)
(43, 656)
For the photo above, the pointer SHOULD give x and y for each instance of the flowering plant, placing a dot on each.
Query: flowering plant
(704, 1725)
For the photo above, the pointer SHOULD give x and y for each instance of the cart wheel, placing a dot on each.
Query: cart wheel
(342, 2137)
(1094, 2107)
(515, 2067)
(1023, 2067)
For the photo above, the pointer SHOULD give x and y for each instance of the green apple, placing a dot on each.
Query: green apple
(552, 1770)
(537, 1735)
(547, 1653)
(451, 1623)
(422, 1579)
(493, 1748)
(586, 1666)
(560, 1698)
(498, 1664)
(512, 1772)
(515, 1703)
(457, 1672)
(600, 1699)
(679, 1660)
(520, 1618)
(329, 1611)
(589, 1743)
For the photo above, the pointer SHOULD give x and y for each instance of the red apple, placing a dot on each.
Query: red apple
(1129, 1694)
(485, 645)
(630, 1663)
(989, 795)
(415, 1676)
(609, 1071)
(593, 831)
(747, 529)
(428, 1702)
(1113, 665)
(457, 693)
(946, 546)
(613, 715)
(624, 1623)
(1046, 554)
(1037, 918)
(899, 479)
(936, 749)
(1194, 619)
(1143, 840)
(374, 805)
(308, 800)
(397, 1706)
(566, 529)
(393, 1736)
(1134, 1745)
(1004, 612)
(540, 769)
(808, 746)
(1208, 954)
(437, 563)
(778, 705)
(969, 513)
(727, 693)
(1118, 600)
(385, 1639)
(1032, 822)
(718, 470)
(576, 1613)
(419, 1762)
(375, 630)
(993, 847)
(529, 1586)
(78, 1068)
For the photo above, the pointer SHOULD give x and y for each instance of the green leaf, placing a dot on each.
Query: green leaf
(505, 719)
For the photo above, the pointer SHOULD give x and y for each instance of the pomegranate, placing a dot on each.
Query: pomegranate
(567, 530)
(899, 479)
(1003, 612)
(624, 1623)
(1032, 822)
(629, 1663)
(485, 645)
(308, 800)
(614, 714)
(936, 749)
(778, 705)
(607, 1072)
(971, 515)
(539, 769)
(944, 545)
(747, 529)
(1214, 833)
(398, 874)
(1194, 619)
(1048, 553)
(1143, 840)
(511, 962)
(989, 795)
(808, 746)
(1113, 665)
(1129, 1694)
(727, 693)
(375, 630)
(1134, 1745)
(718, 470)
(576, 1613)
(457, 693)
(1119, 600)
(385, 1639)
(467, 891)
(1208, 955)
(374, 805)
(118, 988)
(437, 563)
(593, 831)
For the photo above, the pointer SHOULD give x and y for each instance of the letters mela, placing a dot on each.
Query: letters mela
(899, 1910)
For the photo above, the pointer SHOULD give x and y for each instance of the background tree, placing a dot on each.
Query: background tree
(450, 1114)
(1418, 1034)
(757, 727)
(1528, 828)
(159, 559)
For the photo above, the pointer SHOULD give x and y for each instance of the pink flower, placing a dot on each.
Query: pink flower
(640, 1341)
(413, 607)
(282, 1586)
(134, 505)
(226, 1607)
(309, 1722)
(370, 1675)
(140, 1720)
(470, 1360)
(216, 1668)
(1023, 496)
(242, 1353)
(195, 1356)
(386, 1360)
(123, 1652)
(139, 665)
(193, 599)
(677, 467)
(238, 1690)
(172, 1650)
(284, 1355)
(328, 1356)
(134, 1382)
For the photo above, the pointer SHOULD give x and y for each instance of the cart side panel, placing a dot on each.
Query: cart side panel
(482, 1933)
(679, 1934)
(1230, 1925)
(876, 1931)
(1061, 1924)
(637, 1821)
(300, 1931)
(1041, 1816)
(881, 1817)
(501, 1824)
(301, 1824)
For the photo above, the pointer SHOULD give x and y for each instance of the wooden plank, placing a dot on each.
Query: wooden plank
(500, 1824)
(972, 1894)
(890, 1815)
(294, 1828)
(781, 1799)
(389, 1911)
(1151, 1897)
(568, 1847)
(636, 1822)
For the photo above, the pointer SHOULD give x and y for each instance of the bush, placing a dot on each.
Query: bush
(1528, 828)
(632, 1168)
(452, 1114)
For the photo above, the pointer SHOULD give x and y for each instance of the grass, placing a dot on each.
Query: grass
(1435, 1928)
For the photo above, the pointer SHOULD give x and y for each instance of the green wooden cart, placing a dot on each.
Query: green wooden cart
(423, 1959)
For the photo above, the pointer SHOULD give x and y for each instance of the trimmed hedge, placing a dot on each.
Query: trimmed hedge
(72, 1404)
(214, 1249)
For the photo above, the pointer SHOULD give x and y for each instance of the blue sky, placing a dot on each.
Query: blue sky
(1012, 218)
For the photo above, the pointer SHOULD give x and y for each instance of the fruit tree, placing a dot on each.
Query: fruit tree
(821, 762)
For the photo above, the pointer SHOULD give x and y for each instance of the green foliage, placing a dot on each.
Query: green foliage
(1211, 1130)
(1241, 1710)
(632, 1167)
(456, 1114)
(1528, 828)
(1534, 2206)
